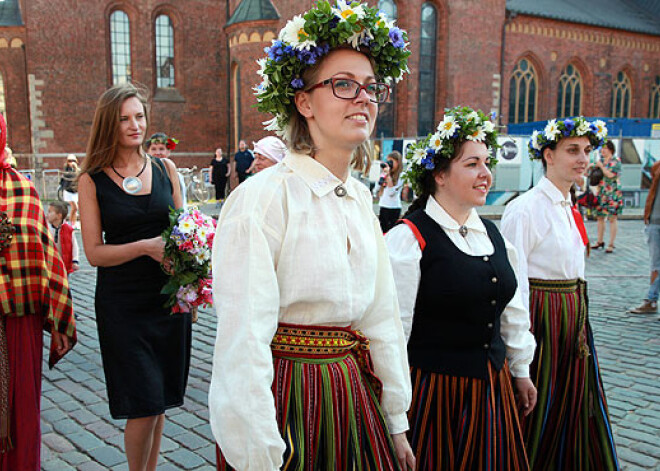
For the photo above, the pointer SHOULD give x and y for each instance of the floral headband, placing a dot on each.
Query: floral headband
(459, 124)
(170, 142)
(556, 130)
(307, 38)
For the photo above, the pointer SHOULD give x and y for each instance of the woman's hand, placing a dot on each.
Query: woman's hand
(525, 395)
(61, 341)
(599, 163)
(403, 451)
(154, 248)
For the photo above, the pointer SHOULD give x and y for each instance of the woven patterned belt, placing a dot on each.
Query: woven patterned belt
(301, 342)
(558, 286)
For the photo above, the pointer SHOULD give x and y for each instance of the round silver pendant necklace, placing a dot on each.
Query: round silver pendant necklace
(131, 185)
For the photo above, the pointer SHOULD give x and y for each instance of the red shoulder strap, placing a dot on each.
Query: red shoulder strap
(418, 235)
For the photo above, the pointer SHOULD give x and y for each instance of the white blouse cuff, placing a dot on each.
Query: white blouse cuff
(397, 423)
(519, 371)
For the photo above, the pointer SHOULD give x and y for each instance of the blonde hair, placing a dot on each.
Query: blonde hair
(104, 135)
(298, 137)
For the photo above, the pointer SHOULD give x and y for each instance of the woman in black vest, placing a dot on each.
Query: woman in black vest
(461, 307)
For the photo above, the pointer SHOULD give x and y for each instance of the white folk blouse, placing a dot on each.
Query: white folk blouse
(289, 249)
(405, 255)
(541, 226)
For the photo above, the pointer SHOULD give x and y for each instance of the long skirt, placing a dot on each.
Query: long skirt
(460, 423)
(24, 348)
(569, 427)
(327, 402)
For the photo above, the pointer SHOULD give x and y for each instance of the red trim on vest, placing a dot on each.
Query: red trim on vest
(66, 243)
(418, 235)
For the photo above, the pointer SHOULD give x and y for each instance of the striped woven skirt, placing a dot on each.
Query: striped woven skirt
(460, 424)
(569, 427)
(327, 401)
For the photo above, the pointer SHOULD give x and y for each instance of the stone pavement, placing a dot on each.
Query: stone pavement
(78, 432)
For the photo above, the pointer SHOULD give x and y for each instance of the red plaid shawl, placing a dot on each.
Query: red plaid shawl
(32, 276)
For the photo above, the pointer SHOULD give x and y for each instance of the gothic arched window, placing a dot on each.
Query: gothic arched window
(427, 65)
(570, 93)
(621, 96)
(120, 47)
(523, 93)
(164, 52)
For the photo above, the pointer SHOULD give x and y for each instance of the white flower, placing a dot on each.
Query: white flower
(262, 71)
(436, 142)
(418, 155)
(551, 130)
(186, 226)
(447, 127)
(478, 135)
(602, 129)
(473, 116)
(384, 22)
(344, 10)
(535, 140)
(488, 127)
(294, 33)
(583, 128)
(356, 40)
(272, 124)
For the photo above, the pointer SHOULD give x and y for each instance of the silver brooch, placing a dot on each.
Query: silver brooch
(463, 230)
(340, 191)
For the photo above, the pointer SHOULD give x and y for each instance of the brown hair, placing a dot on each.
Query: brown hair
(102, 144)
(298, 136)
(60, 208)
(396, 155)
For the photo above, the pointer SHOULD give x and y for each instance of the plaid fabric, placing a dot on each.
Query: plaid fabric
(32, 275)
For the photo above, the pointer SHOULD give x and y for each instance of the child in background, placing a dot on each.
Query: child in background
(62, 233)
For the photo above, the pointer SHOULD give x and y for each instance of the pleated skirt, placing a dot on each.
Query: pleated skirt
(460, 423)
(569, 428)
(327, 406)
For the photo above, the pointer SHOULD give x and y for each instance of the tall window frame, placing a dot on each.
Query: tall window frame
(3, 101)
(165, 60)
(387, 111)
(621, 95)
(427, 69)
(523, 93)
(654, 102)
(120, 47)
(569, 97)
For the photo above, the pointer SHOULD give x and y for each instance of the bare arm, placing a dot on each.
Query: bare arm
(176, 188)
(98, 253)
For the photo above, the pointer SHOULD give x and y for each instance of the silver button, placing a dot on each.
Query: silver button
(486, 346)
(494, 280)
(493, 302)
(490, 325)
(486, 258)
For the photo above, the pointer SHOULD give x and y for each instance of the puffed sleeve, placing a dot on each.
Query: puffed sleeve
(515, 327)
(405, 255)
(246, 299)
(382, 326)
(516, 227)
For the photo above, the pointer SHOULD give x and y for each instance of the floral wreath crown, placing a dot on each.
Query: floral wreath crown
(556, 130)
(307, 38)
(459, 124)
(170, 142)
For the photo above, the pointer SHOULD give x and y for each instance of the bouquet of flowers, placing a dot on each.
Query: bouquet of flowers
(188, 243)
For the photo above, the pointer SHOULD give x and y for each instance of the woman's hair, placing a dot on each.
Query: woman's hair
(298, 137)
(611, 147)
(428, 180)
(396, 155)
(104, 135)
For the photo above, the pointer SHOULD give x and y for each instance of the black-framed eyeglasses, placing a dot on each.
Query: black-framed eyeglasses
(349, 89)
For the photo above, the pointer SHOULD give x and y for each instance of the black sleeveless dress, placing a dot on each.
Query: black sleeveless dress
(145, 350)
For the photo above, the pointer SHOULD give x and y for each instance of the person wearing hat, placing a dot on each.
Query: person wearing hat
(467, 328)
(34, 296)
(160, 145)
(315, 326)
(267, 152)
(69, 184)
(570, 426)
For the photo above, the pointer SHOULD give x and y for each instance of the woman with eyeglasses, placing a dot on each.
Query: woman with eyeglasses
(323, 380)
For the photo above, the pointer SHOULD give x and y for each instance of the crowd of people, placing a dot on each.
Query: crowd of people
(430, 341)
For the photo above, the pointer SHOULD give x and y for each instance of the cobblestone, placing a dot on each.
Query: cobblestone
(78, 432)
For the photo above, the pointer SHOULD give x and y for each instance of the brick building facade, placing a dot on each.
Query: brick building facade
(56, 58)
